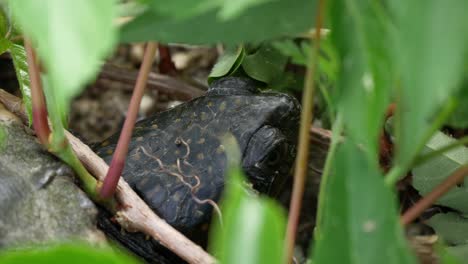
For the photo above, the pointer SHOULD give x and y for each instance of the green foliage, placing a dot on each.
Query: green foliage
(452, 227)
(183, 9)
(4, 25)
(265, 65)
(431, 39)
(357, 213)
(71, 38)
(446, 257)
(66, 253)
(459, 118)
(253, 227)
(3, 137)
(412, 52)
(366, 73)
(261, 21)
(18, 54)
(460, 252)
(358, 216)
(228, 63)
(430, 174)
(299, 54)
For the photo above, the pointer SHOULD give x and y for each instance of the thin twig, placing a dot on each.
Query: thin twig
(135, 215)
(304, 137)
(120, 154)
(419, 207)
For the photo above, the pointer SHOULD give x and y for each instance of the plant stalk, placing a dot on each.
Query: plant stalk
(118, 159)
(304, 137)
(39, 109)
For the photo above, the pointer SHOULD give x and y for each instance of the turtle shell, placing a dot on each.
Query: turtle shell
(177, 161)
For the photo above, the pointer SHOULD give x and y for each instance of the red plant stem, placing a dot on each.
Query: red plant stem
(166, 65)
(39, 109)
(304, 137)
(120, 154)
(418, 208)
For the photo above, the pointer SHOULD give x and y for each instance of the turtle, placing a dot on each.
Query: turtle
(177, 159)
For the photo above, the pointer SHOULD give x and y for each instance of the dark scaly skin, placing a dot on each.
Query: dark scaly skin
(176, 160)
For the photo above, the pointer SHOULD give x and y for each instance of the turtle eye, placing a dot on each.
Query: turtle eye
(277, 155)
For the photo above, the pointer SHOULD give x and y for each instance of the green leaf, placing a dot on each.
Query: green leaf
(252, 230)
(231, 9)
(360, 221)
(360, 35)
(266, 64)
(3, 137)
(227, 64)
(460, 252)
(446, 256)
(18, 54)
(72, 38)
(431, 41)
(182, 9)
(66, 253)
(3, 24)
(430, 174)
(459, 118)
(4, 45)
(289, 48)
(452, 227)
(257, 23)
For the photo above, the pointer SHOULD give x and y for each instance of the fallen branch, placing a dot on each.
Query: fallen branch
(134, 215)
(175, 88)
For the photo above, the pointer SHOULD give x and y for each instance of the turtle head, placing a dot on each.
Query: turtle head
(265, 125)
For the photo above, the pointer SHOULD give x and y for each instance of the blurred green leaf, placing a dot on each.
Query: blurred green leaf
(253, 227)
(18, 54)
(231, 9)
(72, 38)
(297, 53)
(4, 45)
(460, 252)
(360, 35)
(431, 40)
(459, 118)
(446, 256)
(3, 137)
(3, 24)
(266, 64)
(183, 9)
(328, 61)
(451, 227)
(360, 221)
(227, 64)
(66, 253)
(131, 8)
(430, 174)
(257, 23)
